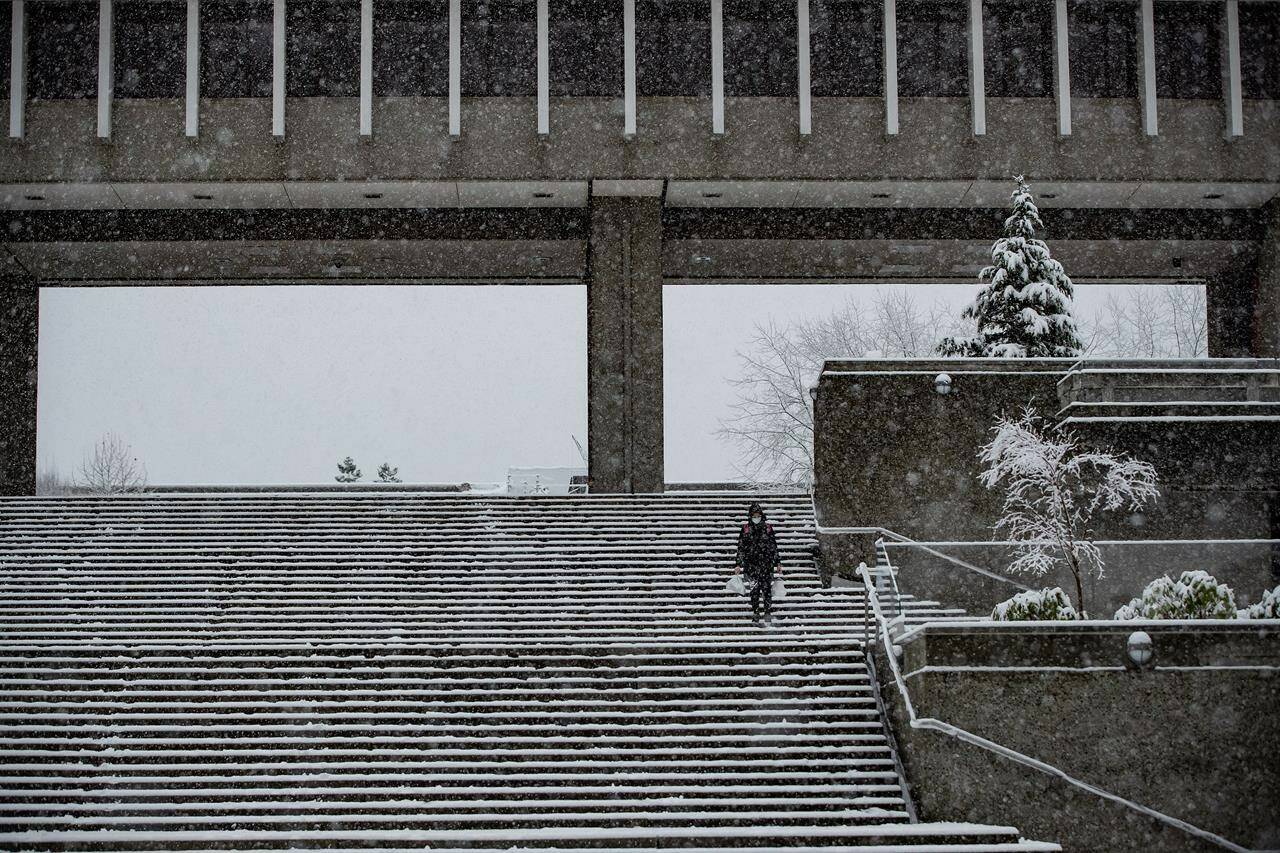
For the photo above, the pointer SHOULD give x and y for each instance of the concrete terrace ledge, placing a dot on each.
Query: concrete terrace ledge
(1091, 645)
(1046, 725)
(1042, 365)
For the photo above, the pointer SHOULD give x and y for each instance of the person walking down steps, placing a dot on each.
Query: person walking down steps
(758, 560)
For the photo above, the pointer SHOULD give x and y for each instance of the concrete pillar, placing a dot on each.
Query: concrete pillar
(1244, 299)
(1266, 310)
(1230, 298)
(19, 327)
(624, 340)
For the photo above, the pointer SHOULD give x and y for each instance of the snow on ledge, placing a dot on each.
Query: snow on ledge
(1091, 626)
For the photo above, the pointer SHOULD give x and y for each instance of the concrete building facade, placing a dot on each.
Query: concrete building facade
(628, 145)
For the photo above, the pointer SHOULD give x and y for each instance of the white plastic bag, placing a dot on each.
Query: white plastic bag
(735, 585)
(779, 589)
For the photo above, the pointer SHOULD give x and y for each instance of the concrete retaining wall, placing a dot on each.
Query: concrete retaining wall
(892, 452)
(1195, 737)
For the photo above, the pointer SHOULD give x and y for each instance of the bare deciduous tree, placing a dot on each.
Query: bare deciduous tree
(1152, 321)
(50, 481)
(772, 420)
(112, 469)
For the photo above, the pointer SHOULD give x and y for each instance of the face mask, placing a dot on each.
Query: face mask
(755, 519)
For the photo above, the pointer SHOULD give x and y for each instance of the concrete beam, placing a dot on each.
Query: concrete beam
(717, 67)
(19, 328)
(624, 345)
(191, 112)
(1062, 66)
(106, 66)
(1147, 59)
(890, 56)
(17, 69)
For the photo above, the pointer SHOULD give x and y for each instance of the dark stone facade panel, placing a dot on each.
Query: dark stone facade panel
(1266, 325)
(150, 48)
(19, 329)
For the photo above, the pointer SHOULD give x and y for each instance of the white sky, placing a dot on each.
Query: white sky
(276, 384)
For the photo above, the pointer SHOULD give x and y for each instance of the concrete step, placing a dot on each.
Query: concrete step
(884, 837)
(412, 671)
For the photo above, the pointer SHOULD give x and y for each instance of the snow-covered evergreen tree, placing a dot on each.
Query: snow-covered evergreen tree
(387, 474)
(347, 471)
(1267, 608)
(1045, 605)
(1194, 595)
(1025, 308)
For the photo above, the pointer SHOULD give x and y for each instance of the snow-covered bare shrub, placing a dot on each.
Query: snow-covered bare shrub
(1194, 595)
(1054, 488)
(1045, 605)
(112, 469)
(1267, 608)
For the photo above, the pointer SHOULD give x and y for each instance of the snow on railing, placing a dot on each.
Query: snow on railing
(925, 547)
(931, 724)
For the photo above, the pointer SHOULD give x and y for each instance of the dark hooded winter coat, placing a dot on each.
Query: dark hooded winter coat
(757, 544)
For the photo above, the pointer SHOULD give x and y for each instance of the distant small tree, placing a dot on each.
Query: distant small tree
(387, 474)
(1025, 309)
(50, 481)
(1053, 490)
(347, 471)
(112, 469)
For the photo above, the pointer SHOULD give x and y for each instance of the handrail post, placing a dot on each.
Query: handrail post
(866, 609)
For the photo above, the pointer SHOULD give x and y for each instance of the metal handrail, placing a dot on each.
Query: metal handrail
(906, 540)
(930, 724)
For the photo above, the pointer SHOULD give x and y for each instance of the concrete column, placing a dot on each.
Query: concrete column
(1266, 309)
(19, 327)
(1244, 299)
(624, 339)
(1230, 307)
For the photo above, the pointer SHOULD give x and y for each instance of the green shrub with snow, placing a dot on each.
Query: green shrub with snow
(1194, 595)
(1045, 605)
(1267, 608)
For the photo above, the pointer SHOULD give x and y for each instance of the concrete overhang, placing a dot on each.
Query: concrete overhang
(559, 261)
(697, 261)
(303, 195)
(969, 194)
(333, 195)
(315, 261)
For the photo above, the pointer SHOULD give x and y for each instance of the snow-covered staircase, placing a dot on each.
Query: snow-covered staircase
(412, 670)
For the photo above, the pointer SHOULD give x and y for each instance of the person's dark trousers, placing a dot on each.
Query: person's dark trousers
(761, 581)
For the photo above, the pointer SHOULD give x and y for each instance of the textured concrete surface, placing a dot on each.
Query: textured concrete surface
(891, 452)
(1188, 737)
(19, 324)
(624, 345)
(673, 139)
(1267, 301)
